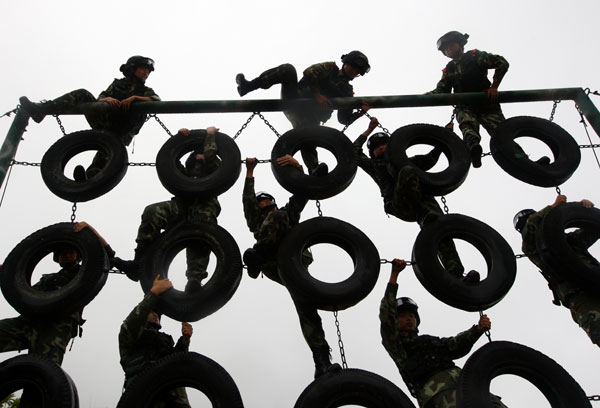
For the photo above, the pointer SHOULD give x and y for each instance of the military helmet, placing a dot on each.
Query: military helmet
(261, 195)
(377, 140)
(451, 36)
(136, 61)
(521, 218)
(357, 59)
(406, 304)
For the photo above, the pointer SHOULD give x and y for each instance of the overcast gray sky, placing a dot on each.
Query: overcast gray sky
(53, 47)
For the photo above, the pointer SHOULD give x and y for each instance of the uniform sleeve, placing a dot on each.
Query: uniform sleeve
(294, 208)
(149, 92)
(108, 92)
(347, 116)
(491, 61)
(460, 345)
(210, 153)
(529, 233)
(252, 212)
(183, 344)
(133, 325)
(390, 333)
(364, 162)
(312, 76)
(54, 281)
(444, 85)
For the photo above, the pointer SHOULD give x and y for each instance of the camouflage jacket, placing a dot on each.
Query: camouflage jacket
(468, 73)
(254, 215)
(328, 80)
(425, 362)
(378, 169)
(141, 343)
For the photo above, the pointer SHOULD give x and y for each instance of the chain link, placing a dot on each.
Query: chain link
(10, 112)
(585, 127)
(60, 125)
(387, 261)
(245, 125)
(115, 270)
(340, 342)
(379, 125)
(318, 204)
(141, 164)
(519, 256)
(556, 102)
(153, 115)
(558, 190)
(594, 397)
(487, 332)
(74, 213)
(22, 163)
(443, 198)
(260, 161)
(260, 115)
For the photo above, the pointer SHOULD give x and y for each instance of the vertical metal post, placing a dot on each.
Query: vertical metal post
(13, 138)
(589, 110)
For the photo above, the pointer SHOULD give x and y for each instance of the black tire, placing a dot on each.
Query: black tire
(455, 292)
(352, 387)
(16, 271)
(322, 295)
(216, 292)
(567, 154)
(315, 187)
(45, 381)
(54, 162)
(213, 184)
(184, 369)
(504, 357)
(440, 183)
(555, 250)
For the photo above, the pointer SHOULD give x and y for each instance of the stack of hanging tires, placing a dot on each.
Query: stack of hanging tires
(54, 388)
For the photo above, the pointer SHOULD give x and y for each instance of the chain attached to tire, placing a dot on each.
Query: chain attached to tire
(340, 342)
(593, 397)
(318, 204)
(245, 125)
(487, 332)
(260, 115)
(60, 125)
(558, 192)
(556, 102)
(74, 213)
(387, 261)
(153, 115)
(443, 198)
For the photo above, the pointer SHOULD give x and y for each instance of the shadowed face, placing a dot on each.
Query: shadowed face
(407, 321)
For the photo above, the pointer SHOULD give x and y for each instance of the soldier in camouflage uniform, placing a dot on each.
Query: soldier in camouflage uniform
(141, 343)
(467, 72)
(584, 306)
(118, 120)
(425, 362)
(49, 337)
(269, 225)
(402, 196)
(165, 214)
(319, 82)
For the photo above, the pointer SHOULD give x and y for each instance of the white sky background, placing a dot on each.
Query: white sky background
(50, 48)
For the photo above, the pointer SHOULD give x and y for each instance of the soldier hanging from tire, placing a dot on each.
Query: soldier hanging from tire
(583, 304)
(141, 343)
(165, 214)
(49, 337)
(119, 95)
(319, 82)
(425, 362)
(269, 224)
(402, 196)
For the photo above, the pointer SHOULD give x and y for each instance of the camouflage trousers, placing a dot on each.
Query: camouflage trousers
(46, 339)
(469, 120)
(410, 204)
(585, 311)
(166, 214)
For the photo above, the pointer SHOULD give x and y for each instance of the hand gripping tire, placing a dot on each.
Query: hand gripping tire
(16, 271)
(54, 162)
(564, 148)
(214, 294)
(322, 295)
(211, 185)
(554, 248)
(352, 387)
(43, 380)
(185, 369)
(315, 187)
(504, 357)
(455, 292)
(440, 183)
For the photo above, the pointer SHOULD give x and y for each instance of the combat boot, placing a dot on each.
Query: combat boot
(79, 174)
(37, 111)
(193, 286)
(321, 170)
(476, 151)
(323, 363)
(131, 268)
(472, 277)
(245, 86)
(252, 260)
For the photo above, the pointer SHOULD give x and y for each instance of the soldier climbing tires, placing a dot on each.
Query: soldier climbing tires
(556, 249)
(184, 369)
(44, 383)
(439, 183)
(16, 271)
(58, 155)
(456, 292)
(504, 357)
(509, 156)
(168, 166)
(353, 387)
(322, 295)
(310, 186)
(214, 293)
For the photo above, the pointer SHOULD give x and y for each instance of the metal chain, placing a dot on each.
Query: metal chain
(15, 110)
(74, 213)
(443, 198)
(260, 161)
(585, 127)
(260, 115)
(153, 115)
(379, 125)
(60, 125)
(387, 261)
(589, 91)
(245, 125)
(556, 102)
(594, 397)
(141, 164)
(115, 270)
(557, 190)
(24, 163)
(519, 256)
(590, 146)
(487, 332)
(340, 342)
(318, 203)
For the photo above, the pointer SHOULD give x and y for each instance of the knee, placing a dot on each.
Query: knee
(288, 73)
